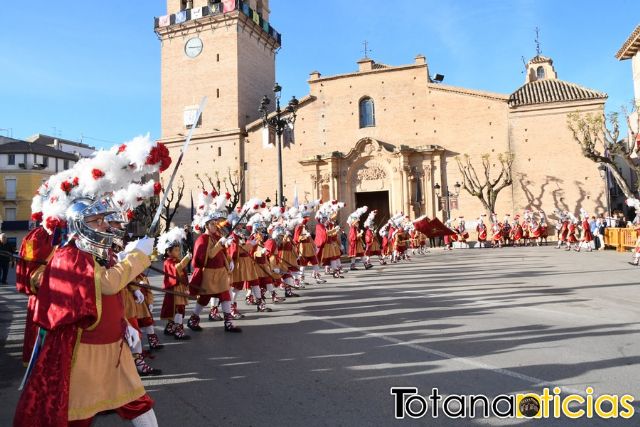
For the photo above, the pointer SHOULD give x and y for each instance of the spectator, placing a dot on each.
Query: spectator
(592, 227)
(599, 234)
(6, 250)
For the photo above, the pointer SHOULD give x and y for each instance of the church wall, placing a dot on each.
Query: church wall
(549, 168)
(409, 111)
(473, 125)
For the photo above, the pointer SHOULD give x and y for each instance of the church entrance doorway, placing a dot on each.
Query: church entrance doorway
(378, 200)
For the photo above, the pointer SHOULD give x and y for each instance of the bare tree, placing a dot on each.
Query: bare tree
(172, 203)
(233, 184)
(484, 187)
(143, 215)
(599, 137)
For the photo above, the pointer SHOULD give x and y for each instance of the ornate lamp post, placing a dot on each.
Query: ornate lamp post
(279, 121)
(447, 197)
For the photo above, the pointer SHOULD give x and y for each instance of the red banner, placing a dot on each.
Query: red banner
(432, 228)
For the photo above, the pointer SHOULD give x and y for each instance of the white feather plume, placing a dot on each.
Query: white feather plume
(175, 235)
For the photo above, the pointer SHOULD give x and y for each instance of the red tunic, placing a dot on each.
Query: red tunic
(216, 263)
(321, 239)
(572, 229)
(356, 248)
(482, 232)
(176, 279)
(517, 232)
(587, 236)
(564, 231)
(371, 241)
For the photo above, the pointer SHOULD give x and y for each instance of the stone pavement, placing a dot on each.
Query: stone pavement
(492, 321)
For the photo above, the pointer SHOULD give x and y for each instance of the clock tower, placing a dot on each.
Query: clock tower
(224, 50)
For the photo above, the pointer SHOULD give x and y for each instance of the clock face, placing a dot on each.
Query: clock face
(193, 47)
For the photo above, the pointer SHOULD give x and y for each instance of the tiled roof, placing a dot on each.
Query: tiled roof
(538, 59)
(16, 146)
(630, 46)
(551, 90)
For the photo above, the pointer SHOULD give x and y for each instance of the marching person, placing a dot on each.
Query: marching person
(306, 246)
(356, 247)
(372, 246)
(175, 279)
(481, 229)
(211, 265)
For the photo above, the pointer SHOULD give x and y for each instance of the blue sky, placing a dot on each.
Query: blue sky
(92, 68)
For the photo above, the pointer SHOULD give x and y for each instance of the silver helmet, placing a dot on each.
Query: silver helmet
(89, 240)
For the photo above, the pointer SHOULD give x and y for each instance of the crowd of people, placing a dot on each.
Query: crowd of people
(91, 304)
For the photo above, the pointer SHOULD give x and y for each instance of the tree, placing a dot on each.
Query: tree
(172, 203)
(599, 138)
(484, 187)
(233, 184)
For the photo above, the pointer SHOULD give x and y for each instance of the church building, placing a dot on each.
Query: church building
(382, 135)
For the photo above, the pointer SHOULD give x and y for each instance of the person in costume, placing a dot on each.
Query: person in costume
(496, 231)
(244, 275)
(562, 227)
(516, 231)
(356, 246)
(326, 241)
(507, 236)
(306, 246)
(400, 243)
(81, 368)
(273, 251)
(449, 238)
(211, 265)
(266, 277)
(175, 279)
(587, 235)
(481, 229)
(572, 233)
(372, 245)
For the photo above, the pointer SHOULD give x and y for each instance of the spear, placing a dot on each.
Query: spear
(156, 218)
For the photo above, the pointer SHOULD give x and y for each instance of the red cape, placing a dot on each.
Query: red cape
(37, 245)
(66, 302)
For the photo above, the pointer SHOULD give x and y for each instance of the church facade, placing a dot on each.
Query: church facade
(381, 135)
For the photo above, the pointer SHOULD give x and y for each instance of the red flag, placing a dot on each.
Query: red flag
(422, 224)
(435, 228)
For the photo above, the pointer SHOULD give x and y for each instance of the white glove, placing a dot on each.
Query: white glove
(277, 270)
(150, 308)
(144, 245)
(138, 296)
(132, 336)
(231, 266)
(121, 256)
(222, 240)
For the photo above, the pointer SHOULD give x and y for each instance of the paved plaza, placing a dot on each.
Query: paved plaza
(492, 321)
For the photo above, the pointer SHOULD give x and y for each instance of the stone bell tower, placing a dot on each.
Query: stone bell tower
(224, 50)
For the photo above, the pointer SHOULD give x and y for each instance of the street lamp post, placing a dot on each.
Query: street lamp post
(447, 197)
(279, 121)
